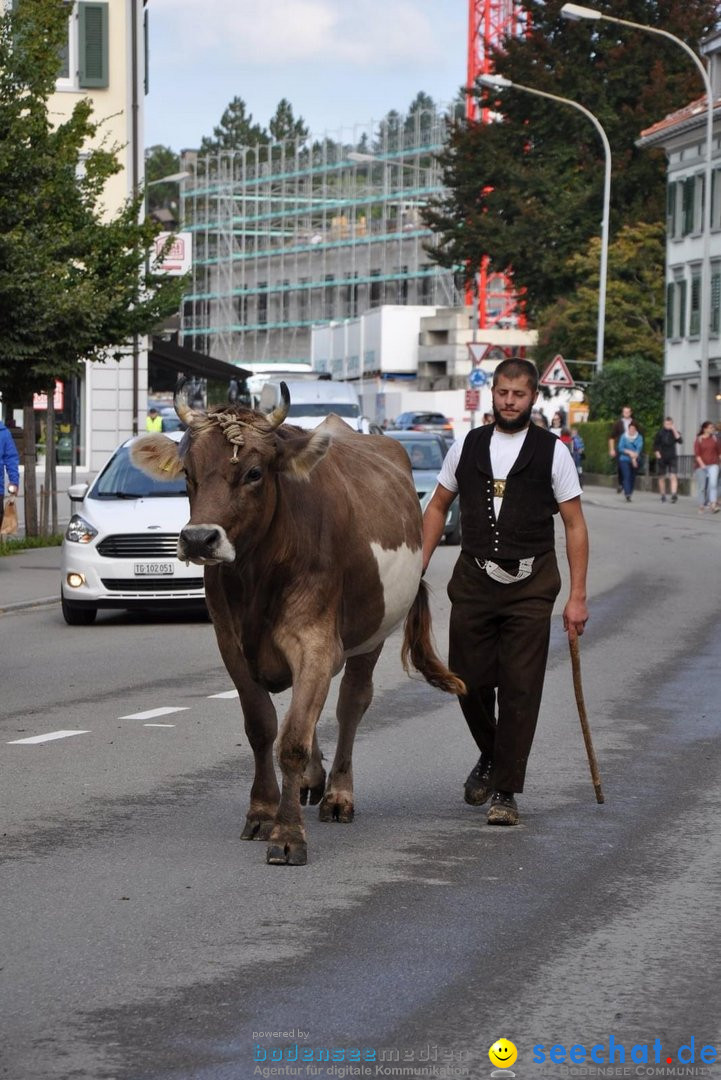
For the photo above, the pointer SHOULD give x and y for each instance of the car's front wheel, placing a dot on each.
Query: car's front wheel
(77, 616)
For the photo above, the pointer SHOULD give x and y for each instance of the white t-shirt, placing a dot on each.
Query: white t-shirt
(505, 448)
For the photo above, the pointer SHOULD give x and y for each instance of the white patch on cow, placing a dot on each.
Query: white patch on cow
(400, 572)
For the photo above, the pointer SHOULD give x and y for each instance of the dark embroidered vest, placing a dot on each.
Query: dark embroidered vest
(525, 523)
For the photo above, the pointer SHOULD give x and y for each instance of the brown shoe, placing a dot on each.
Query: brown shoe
(503, 809)
(477, 788)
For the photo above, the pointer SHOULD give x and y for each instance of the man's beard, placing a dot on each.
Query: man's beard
(518, 424)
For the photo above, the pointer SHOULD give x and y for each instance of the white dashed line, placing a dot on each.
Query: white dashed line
(225, 694)
(46, 738)
(158, 725)
(150, 713)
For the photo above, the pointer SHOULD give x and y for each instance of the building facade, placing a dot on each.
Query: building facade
(689, 396)
(105, 60)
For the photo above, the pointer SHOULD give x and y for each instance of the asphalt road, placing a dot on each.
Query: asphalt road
(143, 941)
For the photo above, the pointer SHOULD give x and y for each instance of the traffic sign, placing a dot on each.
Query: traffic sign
(473, 400)
(557, 374)
(477, 378)
(478, 350)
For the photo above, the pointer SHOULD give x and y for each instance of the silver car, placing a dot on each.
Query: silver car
(427, 451)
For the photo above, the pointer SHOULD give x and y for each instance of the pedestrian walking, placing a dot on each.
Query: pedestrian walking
(512, 477)
(630, 446)
(665, 444)
(556, 427)
(10, 464)
(707, 455)
(619, 428)
(578, 452)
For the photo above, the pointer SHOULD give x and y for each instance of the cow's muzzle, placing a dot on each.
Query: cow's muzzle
(205, 544)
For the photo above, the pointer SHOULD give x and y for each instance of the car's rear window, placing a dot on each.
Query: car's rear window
(121, 480)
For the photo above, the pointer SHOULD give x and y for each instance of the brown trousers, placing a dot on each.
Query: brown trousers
(499, 637)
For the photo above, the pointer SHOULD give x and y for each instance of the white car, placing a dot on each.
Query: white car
(120, 548)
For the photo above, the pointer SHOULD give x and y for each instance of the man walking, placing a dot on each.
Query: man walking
(664, 446)
(10, 462)
(511, 478)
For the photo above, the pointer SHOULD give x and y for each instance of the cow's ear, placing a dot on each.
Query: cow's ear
(158, 456)
(300, 456)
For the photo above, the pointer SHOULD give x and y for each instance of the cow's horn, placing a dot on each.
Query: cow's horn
(180, 401)
(279, 413)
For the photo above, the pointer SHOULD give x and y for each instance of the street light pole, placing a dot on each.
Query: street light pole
(498, 82)
(576, 12)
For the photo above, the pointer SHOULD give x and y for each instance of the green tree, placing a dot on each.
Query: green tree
(527, 190)
(634, 323)
(235, 130)
(283, 124)
(633, 381)
(73, 284)
(161, 161)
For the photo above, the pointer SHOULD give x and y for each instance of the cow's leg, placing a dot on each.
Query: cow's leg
(312, 784)
(259, 716)
(354, 697)
(261, 727)
(312, 672)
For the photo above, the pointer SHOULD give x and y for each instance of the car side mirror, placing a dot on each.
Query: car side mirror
(77, 492)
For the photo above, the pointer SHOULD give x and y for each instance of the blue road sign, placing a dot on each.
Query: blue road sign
(477, 379)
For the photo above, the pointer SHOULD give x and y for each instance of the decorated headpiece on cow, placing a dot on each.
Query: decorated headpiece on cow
(229, 422)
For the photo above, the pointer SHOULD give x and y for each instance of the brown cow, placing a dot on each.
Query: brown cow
(311, 542)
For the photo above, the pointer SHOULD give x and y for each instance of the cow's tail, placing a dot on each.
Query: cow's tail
(418, 649)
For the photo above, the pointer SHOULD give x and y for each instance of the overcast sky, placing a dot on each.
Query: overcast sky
(339, 62)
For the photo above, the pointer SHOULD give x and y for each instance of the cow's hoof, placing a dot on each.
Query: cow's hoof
(256, 829)
(336, 808)
(312, 795)
(294, 854)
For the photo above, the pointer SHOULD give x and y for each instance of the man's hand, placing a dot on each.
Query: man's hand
(575, 616)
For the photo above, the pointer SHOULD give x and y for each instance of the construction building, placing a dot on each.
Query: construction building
(294, 234)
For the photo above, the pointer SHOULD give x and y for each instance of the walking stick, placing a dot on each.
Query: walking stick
(578, 690)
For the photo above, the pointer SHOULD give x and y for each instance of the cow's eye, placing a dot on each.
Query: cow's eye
(253, 475)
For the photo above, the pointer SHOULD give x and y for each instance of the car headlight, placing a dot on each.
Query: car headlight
(80, 531)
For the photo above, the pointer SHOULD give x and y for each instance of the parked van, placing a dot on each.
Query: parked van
(312, 399)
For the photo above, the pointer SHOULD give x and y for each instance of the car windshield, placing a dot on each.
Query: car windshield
(423, 455)
(121, 480)
(322, 408)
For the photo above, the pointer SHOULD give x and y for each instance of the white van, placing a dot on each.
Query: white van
(312, 399)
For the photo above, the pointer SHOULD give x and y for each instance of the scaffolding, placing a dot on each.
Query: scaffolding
(303, 232)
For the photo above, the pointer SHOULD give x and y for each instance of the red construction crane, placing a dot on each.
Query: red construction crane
(490, 22)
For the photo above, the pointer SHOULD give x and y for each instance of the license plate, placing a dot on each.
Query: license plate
(153, 569)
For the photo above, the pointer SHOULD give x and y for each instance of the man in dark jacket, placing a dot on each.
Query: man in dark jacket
(664, 446)
(512, 477)
(9, 462)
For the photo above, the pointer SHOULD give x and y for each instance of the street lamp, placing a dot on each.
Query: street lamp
(498, 82)
(576, 12)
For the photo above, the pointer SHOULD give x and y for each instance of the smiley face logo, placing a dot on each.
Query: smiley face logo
(503, 1053)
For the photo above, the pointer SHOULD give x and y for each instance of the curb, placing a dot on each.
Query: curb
(43, 601)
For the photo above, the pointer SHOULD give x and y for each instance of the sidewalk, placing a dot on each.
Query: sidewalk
(30, 578)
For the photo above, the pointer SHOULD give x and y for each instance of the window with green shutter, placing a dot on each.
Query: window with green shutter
(688, 207)
(681, 328)
(93, 45)
(670, 290)
(715, 322)
(671, 217)
(694, 325)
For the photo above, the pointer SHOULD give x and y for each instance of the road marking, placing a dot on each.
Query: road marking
(150, 713)
(47, 738)
(158, 725)
(225, 694)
